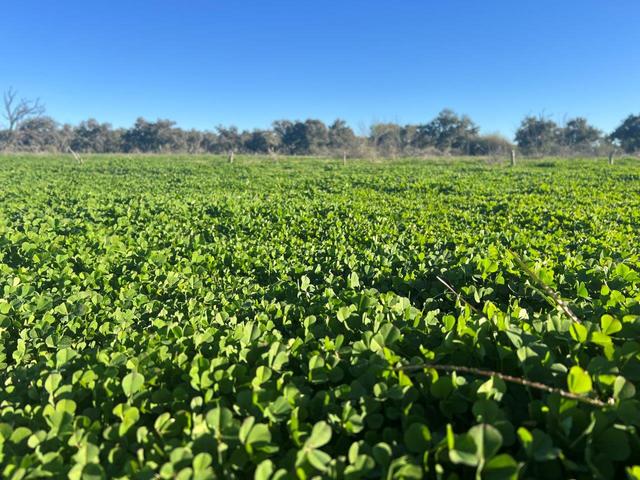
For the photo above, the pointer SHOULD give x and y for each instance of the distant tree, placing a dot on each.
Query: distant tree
(578, 136)
(490, 145)
(262, 141)
(210, 142)
(386, 138)
(65, 135)
(627, 135)
(408, 138)
(448, 131)
(293, 137)
(92, 136)
(147, 136)
(192, 140)
(317, 136)
(228, 139)
(302, 138)
(38, 134)
(281, 128)
(341, 137)
(115, 142)
(537, 135)
(16, 112)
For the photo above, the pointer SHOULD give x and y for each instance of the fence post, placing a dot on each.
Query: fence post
(231, 156)
(513, 158)
(611, 158)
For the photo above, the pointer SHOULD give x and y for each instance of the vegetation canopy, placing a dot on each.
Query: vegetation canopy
(184, 317)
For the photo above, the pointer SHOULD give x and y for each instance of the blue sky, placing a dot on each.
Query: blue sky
(208, 62)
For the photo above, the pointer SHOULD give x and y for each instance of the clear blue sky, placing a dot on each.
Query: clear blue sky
(209, 62)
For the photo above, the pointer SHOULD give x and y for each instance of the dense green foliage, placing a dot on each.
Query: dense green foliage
(196, 319)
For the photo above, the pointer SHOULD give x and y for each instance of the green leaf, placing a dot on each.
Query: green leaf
(64, 355)
(538, 445)
(582, 290)
(260, 433)
(130, 417)
(254, 435)
(488, 440)
(623, 388)
(132, 383)
(52, 382)
(610, 325)
(633, 472)
(578, 332)
(343, 313)
(264, 470)
(613, 443)
(278, 409)
(462, 448)
(500, 467)
(353, 281)
(579, 381)
(92, 471)
(319, 459)
(493, 388)
(201, 462)
(66, 405)
(320, 435)
(221, 421)
(87, 453)
(245, 429)
(417, 437)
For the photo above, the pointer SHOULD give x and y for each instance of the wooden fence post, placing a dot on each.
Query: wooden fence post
(513, 158)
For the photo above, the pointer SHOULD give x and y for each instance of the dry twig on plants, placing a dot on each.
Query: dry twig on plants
(507, 378)
(564, 306)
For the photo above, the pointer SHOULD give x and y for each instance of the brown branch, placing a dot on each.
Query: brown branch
(548, 290)
(75, 155)
(460, 297)
(507, 378)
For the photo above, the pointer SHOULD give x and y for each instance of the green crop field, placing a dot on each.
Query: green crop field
(182, 317)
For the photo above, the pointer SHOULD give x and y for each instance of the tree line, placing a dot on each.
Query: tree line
(28, 128)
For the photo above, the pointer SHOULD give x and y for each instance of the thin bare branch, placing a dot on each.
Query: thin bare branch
(16, 111)
(75, 155)
(460, 297)
(507, 378)
(548, 290)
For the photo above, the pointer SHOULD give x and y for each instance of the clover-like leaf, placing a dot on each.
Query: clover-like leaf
(579, 381)
(320, 435)
(132, 383)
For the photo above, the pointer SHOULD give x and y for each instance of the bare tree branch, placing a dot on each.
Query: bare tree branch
(507, 378)
(15, 112)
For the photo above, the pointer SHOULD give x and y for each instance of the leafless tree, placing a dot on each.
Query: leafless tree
(16, 111)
